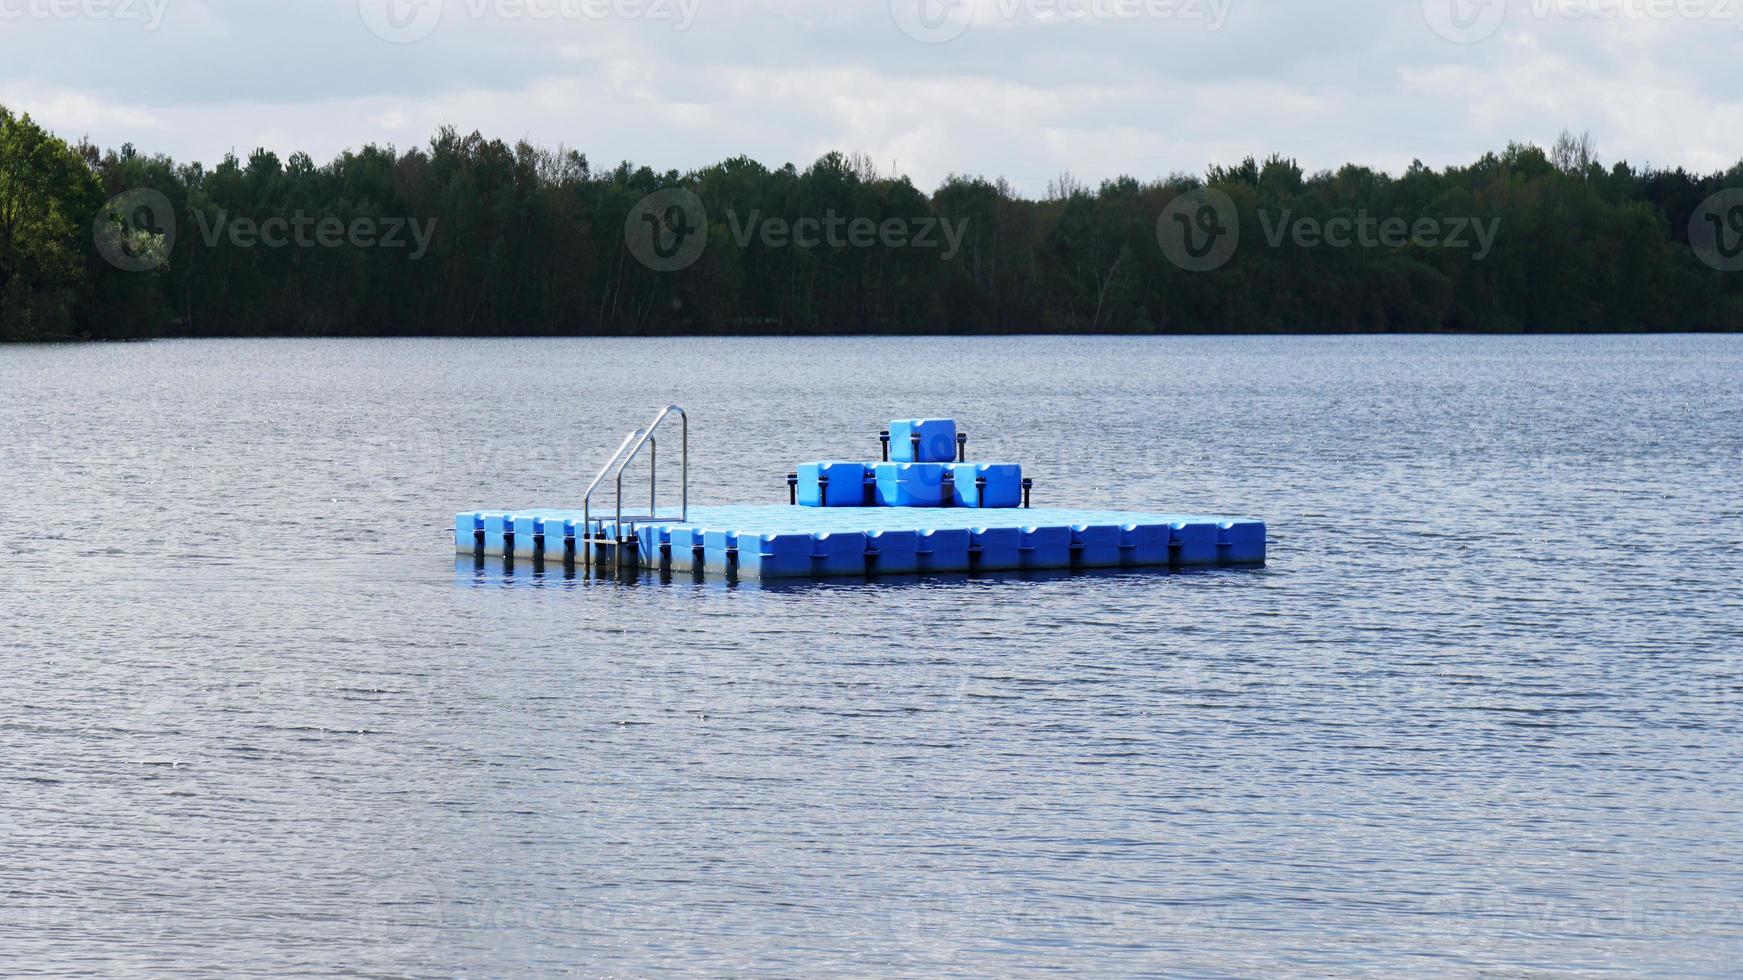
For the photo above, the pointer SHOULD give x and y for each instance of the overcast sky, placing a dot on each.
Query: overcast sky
(1019, 88)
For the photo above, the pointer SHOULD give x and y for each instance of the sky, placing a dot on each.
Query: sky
(1024, 89)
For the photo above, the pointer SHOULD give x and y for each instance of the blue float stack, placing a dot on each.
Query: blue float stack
(925, 466)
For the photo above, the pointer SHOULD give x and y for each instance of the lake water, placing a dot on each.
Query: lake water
(1482, 711)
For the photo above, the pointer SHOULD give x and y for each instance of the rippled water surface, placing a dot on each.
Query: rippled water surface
(1480, 713)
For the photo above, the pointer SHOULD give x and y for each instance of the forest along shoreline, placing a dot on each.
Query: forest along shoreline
(469, 236)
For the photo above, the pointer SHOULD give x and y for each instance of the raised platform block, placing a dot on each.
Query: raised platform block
(987, 485)
(833, 484)
(911, 484)
(813, 542)
(923, 441)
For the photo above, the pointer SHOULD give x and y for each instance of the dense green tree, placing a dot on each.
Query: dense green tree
(494, 238)
(48, 200)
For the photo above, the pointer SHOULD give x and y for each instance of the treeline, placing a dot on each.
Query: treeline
(523, 240)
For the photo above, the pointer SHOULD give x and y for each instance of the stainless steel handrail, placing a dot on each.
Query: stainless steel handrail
(625, 455)
(587, 497)
(653, 487)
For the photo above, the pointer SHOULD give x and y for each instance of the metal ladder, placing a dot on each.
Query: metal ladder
(626, 454)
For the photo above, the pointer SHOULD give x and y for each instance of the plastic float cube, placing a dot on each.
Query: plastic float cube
(832, 484)
(837, 553)
(468, 533)
(944, 550)
(910, 485)
(1045, 547)
(1194, 543)
(892, 552)
(1240, 543)
(1003, 488)
(687, 545)
(996, 549)
(719, 551)
(936, 442)
(1095, 545)
(653, 542)
(1144, 545)
(776, 555)
(522, 528)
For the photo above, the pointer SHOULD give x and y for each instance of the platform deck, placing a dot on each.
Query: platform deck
(800, 542)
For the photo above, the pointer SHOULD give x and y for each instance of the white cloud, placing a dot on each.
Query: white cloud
(784, 80)
(73, 113)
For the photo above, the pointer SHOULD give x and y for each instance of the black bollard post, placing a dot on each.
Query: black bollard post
(629, 542)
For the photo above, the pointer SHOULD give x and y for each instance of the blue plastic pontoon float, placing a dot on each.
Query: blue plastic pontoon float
(922, 509)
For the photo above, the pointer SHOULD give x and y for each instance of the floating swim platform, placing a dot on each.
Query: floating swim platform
(918, 517)
(794, 542)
